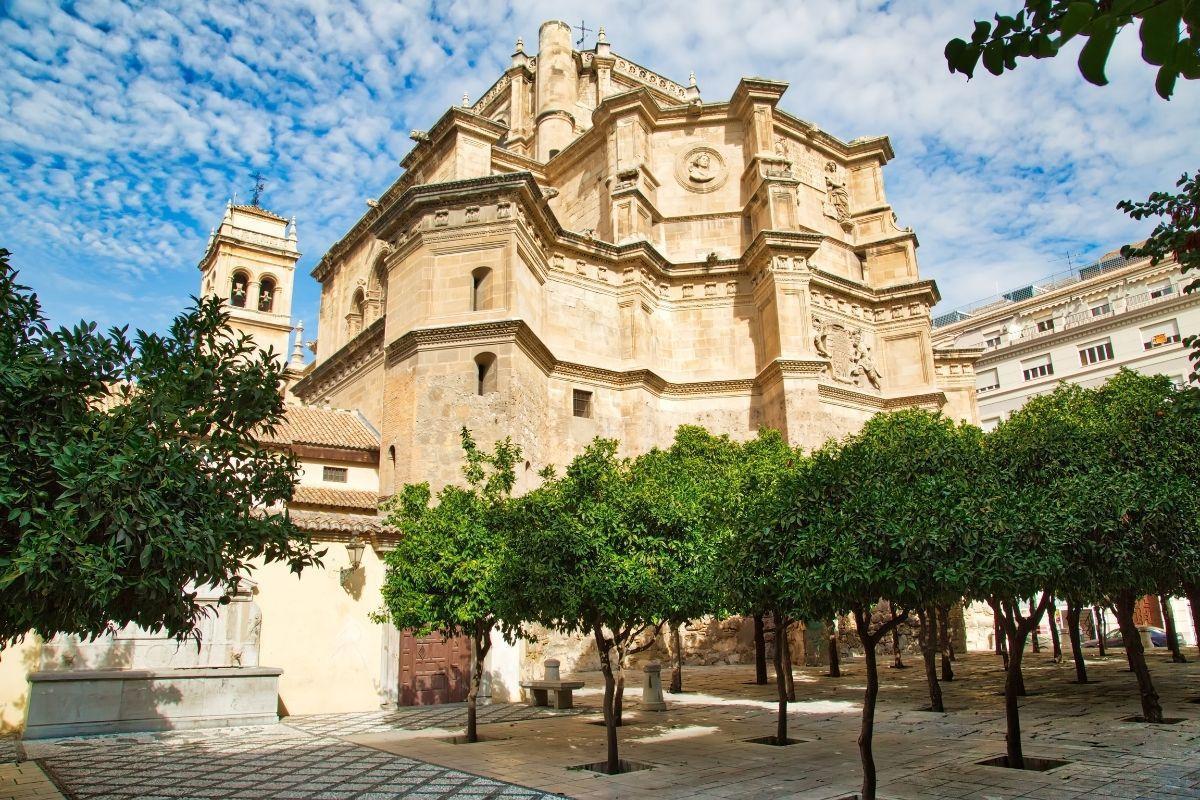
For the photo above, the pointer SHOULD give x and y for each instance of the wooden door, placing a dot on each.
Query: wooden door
(433, 670)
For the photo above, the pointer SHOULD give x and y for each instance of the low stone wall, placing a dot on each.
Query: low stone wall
(70, 703)
(711, 641)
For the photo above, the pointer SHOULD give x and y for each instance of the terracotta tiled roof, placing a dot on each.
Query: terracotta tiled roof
(335, 498)
(324, 427)
(332, 522)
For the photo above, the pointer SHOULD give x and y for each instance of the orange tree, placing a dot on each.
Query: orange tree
(582, 560)
(757, 571)
(686, 493)
(1141, 530)
(445, 573)
(131, 471)
(891, 513)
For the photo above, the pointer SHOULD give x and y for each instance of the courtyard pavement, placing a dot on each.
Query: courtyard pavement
(697, 749)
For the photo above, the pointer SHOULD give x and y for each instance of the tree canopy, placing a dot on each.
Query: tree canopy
(130, 469)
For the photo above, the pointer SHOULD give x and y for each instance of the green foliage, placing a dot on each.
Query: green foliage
(129, 470)
(686, 496)
(1097, 492)
(1169, 31)
(768, 480)
(584, 557)
(1177, 235)
(893, 512)
(445, 573)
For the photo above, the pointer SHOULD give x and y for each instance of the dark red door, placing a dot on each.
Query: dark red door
(433, 670)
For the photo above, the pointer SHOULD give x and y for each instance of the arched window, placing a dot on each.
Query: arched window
(354, 320)
(485, 373)
(239, 290)
(266, 294)
(376, 293)
(481, 289)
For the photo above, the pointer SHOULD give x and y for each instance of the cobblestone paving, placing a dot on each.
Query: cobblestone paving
(251, 764)
(452, 716)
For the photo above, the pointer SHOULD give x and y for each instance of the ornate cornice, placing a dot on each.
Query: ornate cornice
(350, 358)
(876, 403)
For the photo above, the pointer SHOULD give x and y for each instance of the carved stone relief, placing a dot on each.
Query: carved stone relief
(837, 199)
(701, 169)
(850, 358)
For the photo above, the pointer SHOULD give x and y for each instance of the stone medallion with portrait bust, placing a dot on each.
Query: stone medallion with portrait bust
(701, 169)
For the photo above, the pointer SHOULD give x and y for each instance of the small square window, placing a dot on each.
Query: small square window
(334, 474)
(581, 403)
(1101, 310)
(1045, 325)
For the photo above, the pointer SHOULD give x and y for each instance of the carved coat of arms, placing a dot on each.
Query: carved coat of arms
(850, 361)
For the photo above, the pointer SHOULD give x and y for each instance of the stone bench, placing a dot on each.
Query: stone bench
(552, 691)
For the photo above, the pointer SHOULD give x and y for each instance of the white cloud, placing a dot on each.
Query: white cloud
(125, 130)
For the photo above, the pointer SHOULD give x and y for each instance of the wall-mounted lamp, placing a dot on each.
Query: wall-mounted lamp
(354, 549)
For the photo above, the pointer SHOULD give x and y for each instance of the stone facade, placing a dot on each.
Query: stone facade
(590, 249)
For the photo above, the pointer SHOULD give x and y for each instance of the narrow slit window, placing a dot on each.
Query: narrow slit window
(485, 374)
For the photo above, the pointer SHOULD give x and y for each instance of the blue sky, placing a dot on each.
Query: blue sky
(126, 127)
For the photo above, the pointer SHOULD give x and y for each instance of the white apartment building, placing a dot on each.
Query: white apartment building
(1081, 325)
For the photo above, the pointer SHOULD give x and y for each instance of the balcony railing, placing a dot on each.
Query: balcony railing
(1082, 318)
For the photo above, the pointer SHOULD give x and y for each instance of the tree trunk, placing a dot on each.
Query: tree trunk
(1016, 629)
(780, 688)
(835, 652)
(1055, 640)
(760, 651)
(610, 692)
(1193, 595)
(1002, 643)
(943, 618)
(1015, 646)
(1098, 616)
(953, 629)
(788, 680)
(928, 627)
(1037, 648)
(1169, 623)
(481, 643)
(677, 672)
(862, 620)
(1013, 681)
(1151, 709)
(1073, 611)
(619, 699)
(897, 659)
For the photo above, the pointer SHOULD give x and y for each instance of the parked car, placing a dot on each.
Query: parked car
(1158, 637)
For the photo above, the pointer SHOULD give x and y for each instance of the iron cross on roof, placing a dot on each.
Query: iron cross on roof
(583, 32)
(260, 183)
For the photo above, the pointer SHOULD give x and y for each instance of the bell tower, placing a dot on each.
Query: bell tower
(250, 264)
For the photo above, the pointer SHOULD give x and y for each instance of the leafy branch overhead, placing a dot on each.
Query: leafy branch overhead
(1177, 236)
(1169, 31)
